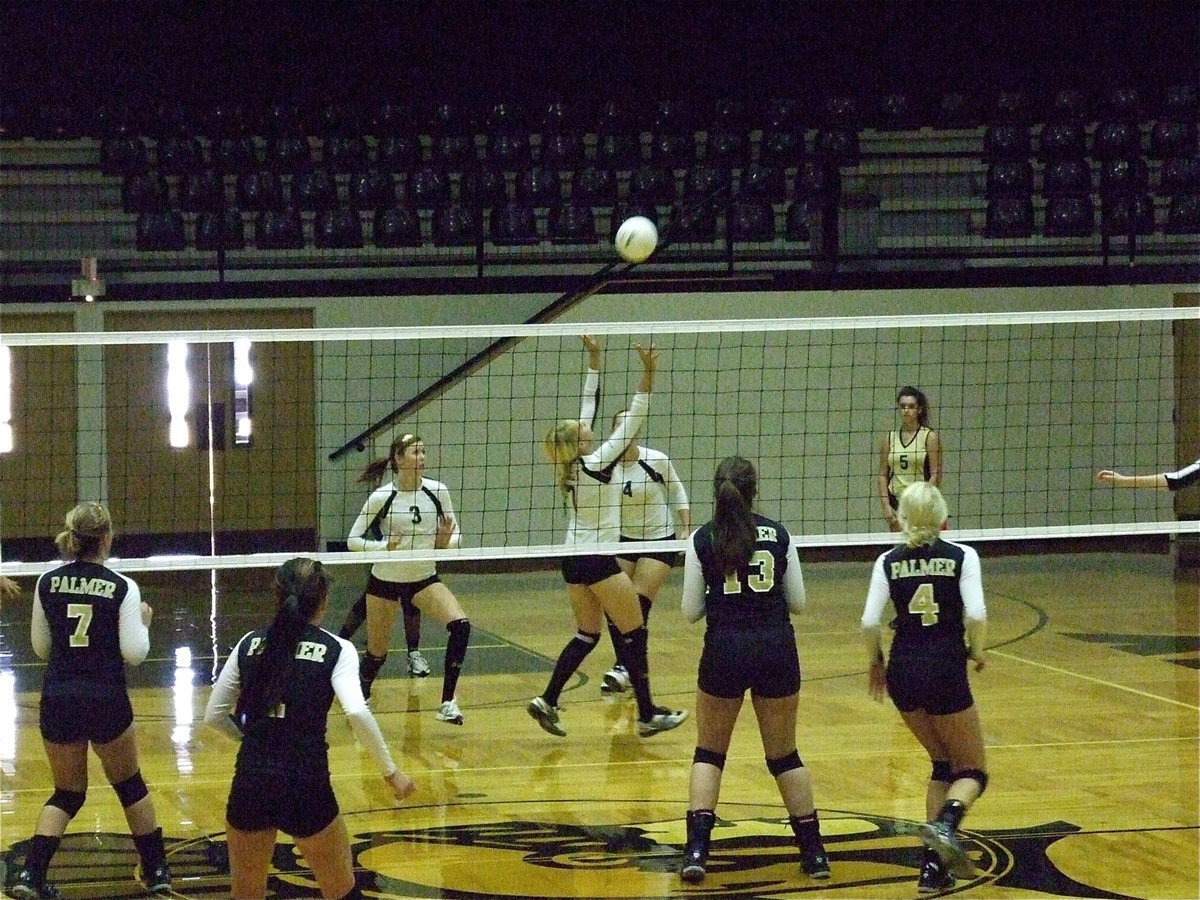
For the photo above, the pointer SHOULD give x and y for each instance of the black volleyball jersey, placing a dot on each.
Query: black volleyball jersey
(926, 587)
(757, 595)
(93, 619)
(291, 738)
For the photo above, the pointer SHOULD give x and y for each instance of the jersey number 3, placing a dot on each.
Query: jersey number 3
(761, 576)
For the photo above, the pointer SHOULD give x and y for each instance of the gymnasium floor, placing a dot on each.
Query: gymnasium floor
(1089, 702)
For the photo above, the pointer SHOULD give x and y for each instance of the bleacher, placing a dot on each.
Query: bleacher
(462, 193)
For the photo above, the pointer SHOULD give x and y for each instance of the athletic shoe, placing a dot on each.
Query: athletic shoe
(546, 716)
(663, 720)
(815, 865)
(615, 681)
(26, 887)
(450, 712)
(693, 870)
(158, 883)
(939, 837)
(418, 665)
(934, 877)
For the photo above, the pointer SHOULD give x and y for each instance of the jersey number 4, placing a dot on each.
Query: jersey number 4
(82, 612)
(924, 605)
(760, 577)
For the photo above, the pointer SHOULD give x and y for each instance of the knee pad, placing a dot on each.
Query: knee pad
(459, 627)
(585, 637)
(69, 802)
(709, 756)
(942, 771)
(978, 775)
(784, 764)
(371, 664)
(131, 790)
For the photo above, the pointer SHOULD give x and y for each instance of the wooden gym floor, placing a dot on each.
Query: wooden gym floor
(1089, 702)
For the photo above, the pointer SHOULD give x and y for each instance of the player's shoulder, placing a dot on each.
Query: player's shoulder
(967, 551)
(650, 455)
(434, 485)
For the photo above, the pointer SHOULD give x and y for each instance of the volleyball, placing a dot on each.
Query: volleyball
(636, 239)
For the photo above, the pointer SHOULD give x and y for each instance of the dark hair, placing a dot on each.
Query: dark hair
(735, 486)
(300, 586)
(922, 403)
(375, 468)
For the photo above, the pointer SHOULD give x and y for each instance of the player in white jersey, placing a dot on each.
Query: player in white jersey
(1163, 481)
(410, 512)
(911, 453)
(596, 586)
(653, 499)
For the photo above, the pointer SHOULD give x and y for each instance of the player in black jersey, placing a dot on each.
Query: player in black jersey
(274, 693)
(936, 591)
(1163, 481)
(87, 623)
(742, 573)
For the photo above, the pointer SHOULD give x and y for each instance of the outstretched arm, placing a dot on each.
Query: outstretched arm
(1116, 479)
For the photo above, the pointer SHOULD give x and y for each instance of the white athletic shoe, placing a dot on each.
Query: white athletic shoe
(546, 716)
(615, 680)
(663, 720)
(418, 665)
(450, 712)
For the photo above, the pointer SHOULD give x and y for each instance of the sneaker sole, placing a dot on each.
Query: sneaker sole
(692, 874)
(611, 686)
(544, 722)
(953, 857)
(454, 720)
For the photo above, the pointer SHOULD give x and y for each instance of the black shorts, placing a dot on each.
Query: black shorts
(589, 570)
(669, 558)
(936, 685)
(299, 807)
(67, 718)
(404, 591)
(762, 661)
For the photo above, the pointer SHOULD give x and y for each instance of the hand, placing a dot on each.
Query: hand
(979, 661)
(877, 680)
(649, 357)
(147, 613)
(1108, 476)
(401, 785)
(445, 531)
(593, 348)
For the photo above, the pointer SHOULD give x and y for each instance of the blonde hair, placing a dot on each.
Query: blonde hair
(922, 512)
(87, 525)
(561, 446)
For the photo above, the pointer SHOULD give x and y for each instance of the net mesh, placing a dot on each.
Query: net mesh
(1027, 408)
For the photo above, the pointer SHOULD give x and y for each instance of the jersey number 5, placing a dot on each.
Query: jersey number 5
(82, 612)
(761, 574)
(924, 605)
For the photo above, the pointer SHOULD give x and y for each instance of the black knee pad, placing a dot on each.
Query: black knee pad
(459, 627)
(69, 802)
(978, 775)
(709, 756)
(942, 771)
(131, 790)
(784, 764)
(371, 664)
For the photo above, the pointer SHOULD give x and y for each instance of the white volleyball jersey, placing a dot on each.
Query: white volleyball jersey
(651, 495)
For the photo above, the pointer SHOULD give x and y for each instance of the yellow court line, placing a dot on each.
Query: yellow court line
(1100, 681)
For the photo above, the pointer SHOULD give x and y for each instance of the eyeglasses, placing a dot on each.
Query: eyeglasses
(908, 406)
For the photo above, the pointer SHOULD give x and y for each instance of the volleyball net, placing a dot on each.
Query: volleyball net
(273, 427)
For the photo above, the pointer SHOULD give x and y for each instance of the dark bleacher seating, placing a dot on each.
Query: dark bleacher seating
(259, 190)
(161, 231)
(313, 189)
(1183, 214)
(397, 226)
(512, 223)
(372, 190)
(539, 186)
(483, 186)
(338, 228)
(279, 229)
(1009, 217)
(801, 220)
(145, 192)
(762, 182)
(694, 222)
(221, 229)
(202, 192)
(572, 223)
(455, 225)
(1070, 216)
(751, 220)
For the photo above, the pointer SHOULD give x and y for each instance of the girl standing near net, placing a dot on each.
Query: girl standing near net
(742, 573)
(596, 586)
(936, 590)
(652, 500)
(411, 512)
(88, 622)
(911, 453)
(274, 694)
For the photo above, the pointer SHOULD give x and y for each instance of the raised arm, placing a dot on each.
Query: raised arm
(590, 401)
